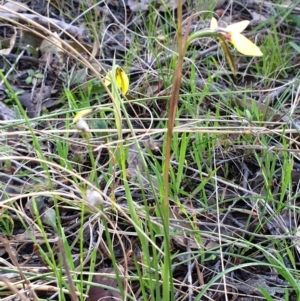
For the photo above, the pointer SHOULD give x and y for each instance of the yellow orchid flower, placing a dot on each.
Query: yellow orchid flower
(81, 114)
(121, 77)
(232, 33)
(81, 124)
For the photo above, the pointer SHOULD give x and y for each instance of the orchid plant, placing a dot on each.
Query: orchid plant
(232, 34)
(116, 75)
(79, 121)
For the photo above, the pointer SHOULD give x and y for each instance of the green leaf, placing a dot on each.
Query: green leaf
(265, 293)
(295, 46)
(293, 19)
(28, 80)
(42, 211)
(39, 75)
(49, 218)
(30, 72)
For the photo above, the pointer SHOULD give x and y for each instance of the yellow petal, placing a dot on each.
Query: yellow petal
(244, 45)
(107, 80)
(122, 80)
(237, 27)
(213, 23)
(121, 77)
(82, 114)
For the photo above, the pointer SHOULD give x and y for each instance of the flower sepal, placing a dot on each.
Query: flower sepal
(232, 33)
(121, 79)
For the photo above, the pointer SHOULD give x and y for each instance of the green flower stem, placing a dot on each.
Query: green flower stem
(116, 101)
(214, 34)
(201, 34)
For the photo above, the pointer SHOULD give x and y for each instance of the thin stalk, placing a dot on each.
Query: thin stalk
(168, 288)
